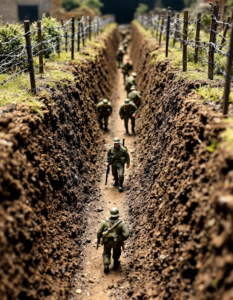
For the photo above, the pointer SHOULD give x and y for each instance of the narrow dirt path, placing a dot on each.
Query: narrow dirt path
(92, 282)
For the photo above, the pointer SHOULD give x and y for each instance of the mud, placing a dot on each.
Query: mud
(180, 199)
(47, 177)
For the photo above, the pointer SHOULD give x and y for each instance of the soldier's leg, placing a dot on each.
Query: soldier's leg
(133, 124)
(106, 123)
(121, 171)
(126, 121)
(115, 175)
(116, 253)
(107, 253)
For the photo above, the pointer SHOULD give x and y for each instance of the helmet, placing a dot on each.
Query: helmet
(116, 141)
(114, 212)
(133, 87)
(127, 101)
(120, 48)
(105, 101)
(134, 74)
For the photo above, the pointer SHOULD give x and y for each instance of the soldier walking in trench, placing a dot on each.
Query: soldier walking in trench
(131, 80)
(135, 96)
(119, 56)
(112, 234)
(104, 111)
(117, 156)
(126, 69)
(128, 111)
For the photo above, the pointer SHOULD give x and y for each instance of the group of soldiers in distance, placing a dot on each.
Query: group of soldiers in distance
(113, 232)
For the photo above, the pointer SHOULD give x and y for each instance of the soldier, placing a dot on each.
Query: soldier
(118, 156)
(130, 82)
(126, 68)
(112, 234)
(104, 110)
(135, 96)
(128, 111)
(124, 34)
(119, 56)
(125, 45)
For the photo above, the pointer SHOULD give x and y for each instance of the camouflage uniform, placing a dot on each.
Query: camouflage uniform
(126, 68)
(119, 57)
(126, 112)
(129, 83)
(105, 112)
(120, 157)
(114, 240)
(135, 97)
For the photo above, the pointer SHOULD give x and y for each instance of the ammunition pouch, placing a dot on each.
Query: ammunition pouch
(122, 160)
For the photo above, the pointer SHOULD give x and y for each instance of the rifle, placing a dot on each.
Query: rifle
(108, 169)
(110, 229)
(97, 246)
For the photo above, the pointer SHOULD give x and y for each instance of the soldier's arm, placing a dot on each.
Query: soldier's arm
(121, 112)
(110, 109)
(125, 232)
(101, 229)
(135, 109)
(108, 154)
(97, 108)
(139, 95)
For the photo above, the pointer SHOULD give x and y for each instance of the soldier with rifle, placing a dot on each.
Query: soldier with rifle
(104, 111)
(117, 157)
(112, 234)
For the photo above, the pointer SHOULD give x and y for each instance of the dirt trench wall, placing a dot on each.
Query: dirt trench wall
(47, 174)
(181, 195)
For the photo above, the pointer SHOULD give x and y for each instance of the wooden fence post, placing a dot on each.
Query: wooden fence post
(39, 39)
(197, 37)
(157, 29)
(228, 74)
(176, 28)
(66, 43)
(213, 28)
(168, 31)
(29, 55)
(78, 34)
(90, 28)
(185, 37)
(162, 24)
(73, 37)
(82, 29)
(226, 27)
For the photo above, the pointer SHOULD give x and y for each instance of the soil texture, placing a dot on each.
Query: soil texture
(47, 177)
(180, 199)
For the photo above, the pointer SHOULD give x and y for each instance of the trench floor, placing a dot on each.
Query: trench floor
(92, 283)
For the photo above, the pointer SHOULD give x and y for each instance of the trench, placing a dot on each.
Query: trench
(177, 199)
(91, 281)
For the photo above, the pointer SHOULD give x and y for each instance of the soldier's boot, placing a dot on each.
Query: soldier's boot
(116, 182)
(116, 263)
(106, 269)
(101, 125)
(126, 131)
(106, 128)
(120, 187)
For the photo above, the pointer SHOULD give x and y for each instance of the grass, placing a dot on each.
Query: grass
(208, 92)
(17, 91)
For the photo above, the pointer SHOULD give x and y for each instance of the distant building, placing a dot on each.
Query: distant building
(14, 11)
(222, 2)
